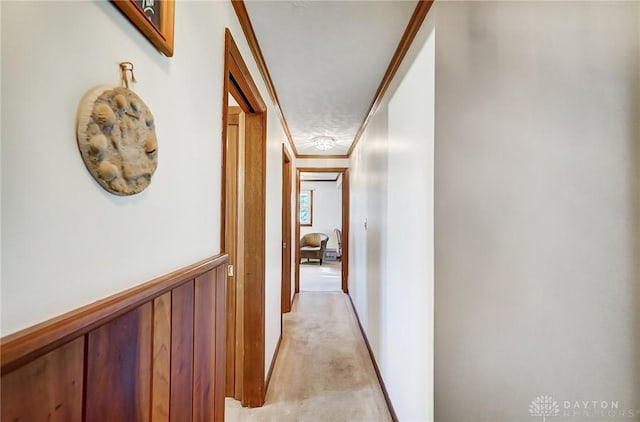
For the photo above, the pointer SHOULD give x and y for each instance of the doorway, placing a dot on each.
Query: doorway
(286, 231)
(243, 228)
(327, 182)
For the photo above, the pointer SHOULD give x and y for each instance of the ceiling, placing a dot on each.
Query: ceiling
(326, 60)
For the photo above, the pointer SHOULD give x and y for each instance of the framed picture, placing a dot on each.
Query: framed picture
(306, 208)
(154, 18)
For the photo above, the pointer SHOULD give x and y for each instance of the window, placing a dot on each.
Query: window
(306, 207)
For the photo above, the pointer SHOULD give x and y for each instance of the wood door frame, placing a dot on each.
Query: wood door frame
(239, 83)
(286, 231)
(235, 134)
(345, 221)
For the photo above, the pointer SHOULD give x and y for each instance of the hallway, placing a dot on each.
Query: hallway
(475, 165)
(323, 371)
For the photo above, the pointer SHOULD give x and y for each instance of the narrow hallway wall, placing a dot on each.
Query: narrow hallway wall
(537, 211)
(392, 231)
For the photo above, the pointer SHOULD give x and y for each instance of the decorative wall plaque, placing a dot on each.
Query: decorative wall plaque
(117, 139)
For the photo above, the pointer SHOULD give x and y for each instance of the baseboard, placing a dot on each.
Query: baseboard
(273, 364)
(392, 411)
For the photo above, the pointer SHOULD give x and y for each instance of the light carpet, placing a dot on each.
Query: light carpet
(323, 371)
(321, 278)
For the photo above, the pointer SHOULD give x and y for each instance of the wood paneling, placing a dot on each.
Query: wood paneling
(118, 368)
(26, 345)
(220, 337)
(161, 364)
(48, 388)
(239, 337)
(181, 353)
(203, 347)
(136, 363)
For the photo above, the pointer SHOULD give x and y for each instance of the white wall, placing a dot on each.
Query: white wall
(408, 280)
(322, 162)
(67, 242)
(273, 256)
(327, 210)
(537, 212)
(391, 274)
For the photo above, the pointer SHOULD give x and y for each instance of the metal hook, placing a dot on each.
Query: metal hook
(124, 68)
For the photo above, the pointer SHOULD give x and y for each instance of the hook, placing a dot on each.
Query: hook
(124, 68)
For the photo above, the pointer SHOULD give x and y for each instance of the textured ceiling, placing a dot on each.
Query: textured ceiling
(326, 60)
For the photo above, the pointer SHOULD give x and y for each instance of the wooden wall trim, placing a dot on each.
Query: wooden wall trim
(252, 40)
(346, 197)
(239, 70)
(323, 156)
(273, 363)
(387, 399)
(296, 245)
(30, 343)
(287, 215)
(419, 14)
(320, 180)
(254, 260)
(251, 213)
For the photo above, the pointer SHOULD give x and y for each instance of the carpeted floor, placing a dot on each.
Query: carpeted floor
(323, 371)
(321, 278)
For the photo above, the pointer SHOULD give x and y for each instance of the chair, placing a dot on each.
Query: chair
(312, 246)
(339, 237)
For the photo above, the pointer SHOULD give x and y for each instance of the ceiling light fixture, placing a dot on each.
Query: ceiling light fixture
(324, 143)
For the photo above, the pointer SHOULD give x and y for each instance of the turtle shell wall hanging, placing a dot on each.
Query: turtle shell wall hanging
(117, 138)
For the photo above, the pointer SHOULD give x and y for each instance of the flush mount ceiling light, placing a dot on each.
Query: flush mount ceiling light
(324, 143)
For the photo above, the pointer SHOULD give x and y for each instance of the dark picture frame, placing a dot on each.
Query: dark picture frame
(153, 18)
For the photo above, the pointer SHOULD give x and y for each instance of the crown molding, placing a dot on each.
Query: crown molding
(254, 46)
(322, 156)
(419, 14)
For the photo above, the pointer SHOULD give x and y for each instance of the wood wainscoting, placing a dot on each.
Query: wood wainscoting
(153, 352)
